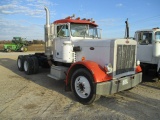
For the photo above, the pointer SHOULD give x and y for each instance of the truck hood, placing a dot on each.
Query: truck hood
(101, 42)
(91, 42)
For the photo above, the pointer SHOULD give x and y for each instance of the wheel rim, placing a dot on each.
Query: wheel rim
(19, 63)
(82, 86)
(25, 65)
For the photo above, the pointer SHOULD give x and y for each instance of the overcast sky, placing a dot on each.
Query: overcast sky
(26, 18)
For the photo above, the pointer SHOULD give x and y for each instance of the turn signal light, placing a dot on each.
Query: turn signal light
(108, 68)
(83, 58)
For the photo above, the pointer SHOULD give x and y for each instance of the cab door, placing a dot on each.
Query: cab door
(62, 34)
(145, 47)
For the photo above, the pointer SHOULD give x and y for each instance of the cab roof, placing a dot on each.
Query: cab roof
(77, 20)
(149, 30)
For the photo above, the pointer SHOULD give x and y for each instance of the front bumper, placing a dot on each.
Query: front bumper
(116, 85)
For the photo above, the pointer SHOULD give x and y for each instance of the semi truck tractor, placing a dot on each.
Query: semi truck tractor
(148, 51)
(89, 65)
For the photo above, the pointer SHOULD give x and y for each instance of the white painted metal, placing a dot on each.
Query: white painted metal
(100, 54)
(144, 53)
(67, 54)
(156, 49)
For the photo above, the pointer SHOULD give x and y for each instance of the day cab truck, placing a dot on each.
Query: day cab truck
(89, 65)
(148, 51)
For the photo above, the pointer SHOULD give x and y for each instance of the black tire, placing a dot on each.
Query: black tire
(28, 65)
(20, 63)
(83, 86)
(35, 64)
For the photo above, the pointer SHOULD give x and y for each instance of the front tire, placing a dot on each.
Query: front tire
(83, 87)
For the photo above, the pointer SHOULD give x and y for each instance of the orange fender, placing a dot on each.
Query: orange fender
(97, 71)
(138, 69)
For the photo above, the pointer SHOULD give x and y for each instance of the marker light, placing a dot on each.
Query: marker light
(108, 68)
(138, 62)
(83, 58)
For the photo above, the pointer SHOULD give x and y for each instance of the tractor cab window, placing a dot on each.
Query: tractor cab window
(157, 35)
(145, 38)
(62, 31)
(84, 30)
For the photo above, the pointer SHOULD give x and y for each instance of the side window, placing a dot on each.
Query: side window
(139, 36)
(157, 35)
(62, 31)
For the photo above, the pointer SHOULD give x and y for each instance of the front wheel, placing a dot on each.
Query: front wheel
(83, 86)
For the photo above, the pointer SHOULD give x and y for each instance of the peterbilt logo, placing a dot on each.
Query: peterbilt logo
(127, 41)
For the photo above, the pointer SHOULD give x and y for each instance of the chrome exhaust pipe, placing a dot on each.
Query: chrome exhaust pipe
(47, 16)
(47, 34)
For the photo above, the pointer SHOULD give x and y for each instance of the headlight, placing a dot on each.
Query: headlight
(138, 62)
(108, 68)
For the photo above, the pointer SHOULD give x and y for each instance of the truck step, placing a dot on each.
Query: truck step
(58, 72)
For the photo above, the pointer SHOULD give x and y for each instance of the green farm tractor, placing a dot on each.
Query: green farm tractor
(18, 44)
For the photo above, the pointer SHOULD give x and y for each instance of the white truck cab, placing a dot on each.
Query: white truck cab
(148, 50)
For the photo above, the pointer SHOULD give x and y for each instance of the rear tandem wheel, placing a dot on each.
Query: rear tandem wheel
(28, 64)
(20, 62)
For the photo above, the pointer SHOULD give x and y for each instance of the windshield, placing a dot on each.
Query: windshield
(157, 35)
(84, 30)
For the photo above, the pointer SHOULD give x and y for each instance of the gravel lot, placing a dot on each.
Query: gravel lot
(40, 97)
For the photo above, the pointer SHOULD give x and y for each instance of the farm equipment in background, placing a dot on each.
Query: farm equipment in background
(18, 44)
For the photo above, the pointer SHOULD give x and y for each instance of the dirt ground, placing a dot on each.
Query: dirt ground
(40, 97)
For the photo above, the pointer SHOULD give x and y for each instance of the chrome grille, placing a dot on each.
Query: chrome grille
(125, 58)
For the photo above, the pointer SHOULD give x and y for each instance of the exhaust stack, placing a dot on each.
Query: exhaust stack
(47, 16)
(127, 29)
(47, 35)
